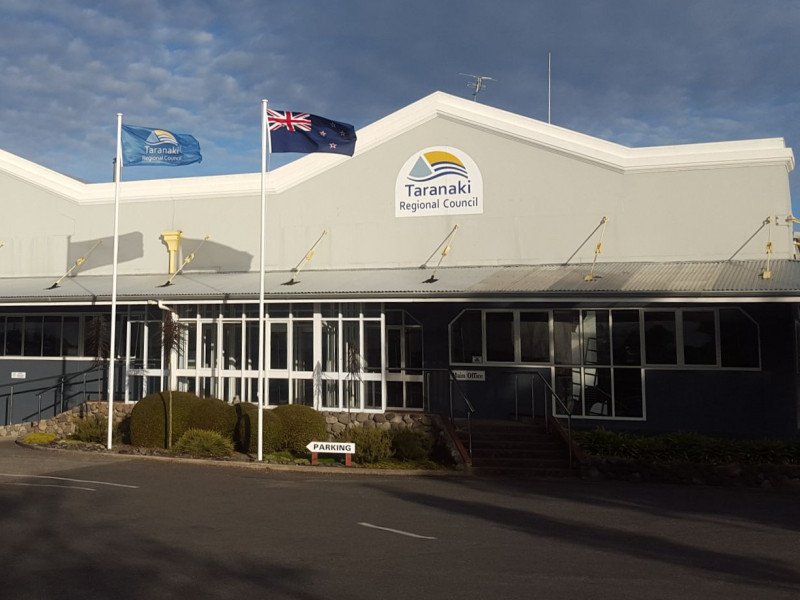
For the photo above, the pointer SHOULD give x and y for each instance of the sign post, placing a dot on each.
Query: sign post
(346, 448)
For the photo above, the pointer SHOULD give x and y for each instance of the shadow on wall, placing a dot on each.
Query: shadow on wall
(213, 256)
(209, 255)
(99, 252)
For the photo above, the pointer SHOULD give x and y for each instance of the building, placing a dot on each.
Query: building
(655, 289)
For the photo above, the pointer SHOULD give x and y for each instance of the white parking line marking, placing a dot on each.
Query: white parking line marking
(24, 476)
(52, 485)
(398, 531)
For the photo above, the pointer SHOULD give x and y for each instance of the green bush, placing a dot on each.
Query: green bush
(688, 447)
(203, 444)
(301, 424)
(149, 418)
(94, 429)
(372, 445)
(39, 438)
(246, 433)
(212, 414)
(412, 445)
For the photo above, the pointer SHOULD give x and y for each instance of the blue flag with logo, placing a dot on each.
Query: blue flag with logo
(147, 146)
(304, 133)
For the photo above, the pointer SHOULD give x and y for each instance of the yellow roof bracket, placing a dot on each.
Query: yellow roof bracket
(186, 261)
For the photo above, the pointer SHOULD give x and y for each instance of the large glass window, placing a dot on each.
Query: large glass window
(500, 336)
(303, 347)
(699, 337)
(232, 345)
(466, 334)
(278, 346)
(70, 335)
(659, 335)
(627, 337)
(33, 336)
(330, 346)
(372, 346)
(534, 337)
(566, 337)
(596, 338)
(51, 336)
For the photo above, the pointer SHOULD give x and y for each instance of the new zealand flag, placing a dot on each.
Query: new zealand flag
(304, 133)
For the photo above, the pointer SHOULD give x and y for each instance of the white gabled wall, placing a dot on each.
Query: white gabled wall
(545, 190)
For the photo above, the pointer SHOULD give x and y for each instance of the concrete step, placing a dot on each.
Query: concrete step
(512, 449)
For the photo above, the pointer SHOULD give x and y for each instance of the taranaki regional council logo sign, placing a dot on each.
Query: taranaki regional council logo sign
(438, 181)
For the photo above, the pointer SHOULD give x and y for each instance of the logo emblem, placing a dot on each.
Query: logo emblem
(439, 181)
(160, 136)
(432, 165)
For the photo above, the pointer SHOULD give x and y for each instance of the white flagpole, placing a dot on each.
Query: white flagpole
(261, 385)
(549, 83)
(112, 347)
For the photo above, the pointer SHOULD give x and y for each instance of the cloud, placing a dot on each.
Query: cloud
(638, 73)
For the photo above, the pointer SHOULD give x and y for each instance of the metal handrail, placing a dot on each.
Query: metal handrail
(59, 385)
(49, 377)
(469, 411)
(560, 402)
(469, 408)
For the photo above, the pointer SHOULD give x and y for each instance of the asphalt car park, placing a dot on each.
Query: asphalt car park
(79, 525)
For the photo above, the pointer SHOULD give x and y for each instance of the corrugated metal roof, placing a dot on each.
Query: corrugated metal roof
(689, 279)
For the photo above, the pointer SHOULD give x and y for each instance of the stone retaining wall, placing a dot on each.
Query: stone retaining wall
(339, 421)
(64, 424)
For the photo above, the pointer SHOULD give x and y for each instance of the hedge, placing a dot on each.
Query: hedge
(689, 448)
(301, 424)
(246, 433)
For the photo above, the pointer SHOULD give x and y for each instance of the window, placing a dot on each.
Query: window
(14, 336)
(32, 345)
(699, 337)
(278, 342)
(303, 346)
(566, 337)
(659, 338)
(626, 337)
(534, 337)
(596, 338)
(467, 338)
(500, 336)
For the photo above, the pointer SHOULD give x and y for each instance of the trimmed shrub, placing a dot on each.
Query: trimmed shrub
(212, 414)
(411, 445)
(94, 430)
(372, 445)
(39, 438)
(203, 444)
(301, 424)
(149, 418)
(246, 433)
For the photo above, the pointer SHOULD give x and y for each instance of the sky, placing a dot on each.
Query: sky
(636, 72)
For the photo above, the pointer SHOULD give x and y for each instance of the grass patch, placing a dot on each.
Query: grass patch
(39, 438)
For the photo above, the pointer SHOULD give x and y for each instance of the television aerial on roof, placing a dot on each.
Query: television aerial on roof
(478, 84)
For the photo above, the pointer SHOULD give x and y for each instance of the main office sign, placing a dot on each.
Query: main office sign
(439, 181)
